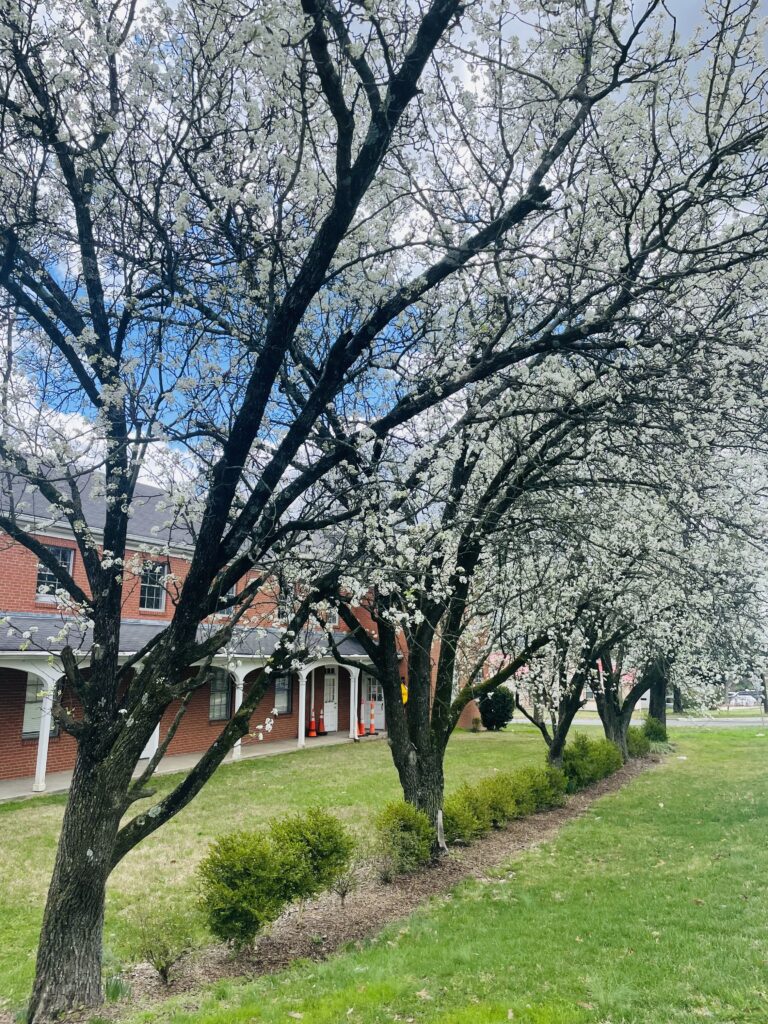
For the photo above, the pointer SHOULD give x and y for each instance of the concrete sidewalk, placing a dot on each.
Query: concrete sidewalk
(58, 782)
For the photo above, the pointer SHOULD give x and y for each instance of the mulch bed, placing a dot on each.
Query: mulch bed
(317, 928)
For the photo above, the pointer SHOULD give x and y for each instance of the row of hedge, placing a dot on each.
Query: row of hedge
(248, 878)
(405, 834)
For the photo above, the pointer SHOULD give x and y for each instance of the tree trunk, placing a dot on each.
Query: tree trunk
(677, 700)
(615, 720)
(615, 727)
(423, 781)
(657, 702)
(68, 973)
(555, 754)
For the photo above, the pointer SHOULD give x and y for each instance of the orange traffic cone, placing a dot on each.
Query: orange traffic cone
(361, 722)
(372, 730)
(312, 730)
(321, 727)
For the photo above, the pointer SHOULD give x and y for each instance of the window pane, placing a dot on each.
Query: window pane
(283, 694)
(45, 578)
(33, 708)
(152, 596)
(221, 690)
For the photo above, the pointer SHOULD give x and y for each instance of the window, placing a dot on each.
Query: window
(284, 605)
(33, 709)
(152, 596)
(331, 617)
(330, 684)
(374, 688)
(227, 595)
(220, 706)
(46, 579)
(283, 695)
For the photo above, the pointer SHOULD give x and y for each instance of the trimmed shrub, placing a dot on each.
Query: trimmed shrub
(459, 822)
(586, 761)
(496, 708)
(538, 789)
(655, 730)
(472, 810)
(316, 846)
(498, 794)
(242, 886)
(476, 800)
(405, 836)
(638, 744)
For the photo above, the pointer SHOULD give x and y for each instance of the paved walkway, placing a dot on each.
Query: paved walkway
(58, 782)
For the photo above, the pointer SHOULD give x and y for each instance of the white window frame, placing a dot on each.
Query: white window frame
(214, 710)
(373, 686)
(47, 597)
(161, 586)
(286, 687)
(33, 710)
(330, 672)
(284, 607)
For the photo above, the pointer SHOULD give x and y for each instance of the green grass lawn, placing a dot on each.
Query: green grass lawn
(651, 909)
(353, 781)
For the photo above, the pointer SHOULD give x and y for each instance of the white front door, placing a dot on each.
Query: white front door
(331, 700)
(374, 692)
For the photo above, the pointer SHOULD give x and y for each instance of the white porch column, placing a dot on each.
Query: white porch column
(239, 674)
(301, 739)
(354, 704)
(48, 682)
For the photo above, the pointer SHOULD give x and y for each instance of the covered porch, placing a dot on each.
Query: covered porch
(323, 702)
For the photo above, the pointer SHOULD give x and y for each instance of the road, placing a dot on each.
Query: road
(688, 722)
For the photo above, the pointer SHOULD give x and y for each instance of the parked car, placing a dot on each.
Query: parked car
(742, 699)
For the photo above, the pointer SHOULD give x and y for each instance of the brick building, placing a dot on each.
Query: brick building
(32, 632)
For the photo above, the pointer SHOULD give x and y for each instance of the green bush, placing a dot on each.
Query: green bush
(242, 885)
(638, 744)
(405, 837)
(496, 708)
(538, 789)
(655, 730)
(476, 799)
(459, 822)
(316, 846)
(162, 941)
(472, 810)
(498, 796)
(586, 761)
(247, 878)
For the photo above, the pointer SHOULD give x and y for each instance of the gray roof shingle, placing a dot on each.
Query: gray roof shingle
(152, 518)
(134, 634)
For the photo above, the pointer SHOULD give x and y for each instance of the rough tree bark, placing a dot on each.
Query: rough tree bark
(658, 680)
(616, 712)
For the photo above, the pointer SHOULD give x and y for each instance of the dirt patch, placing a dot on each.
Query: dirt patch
(320, 927)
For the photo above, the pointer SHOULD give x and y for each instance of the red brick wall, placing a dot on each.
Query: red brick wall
(18, 582)
(465, 718)
(18, 755)
(195, 733)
